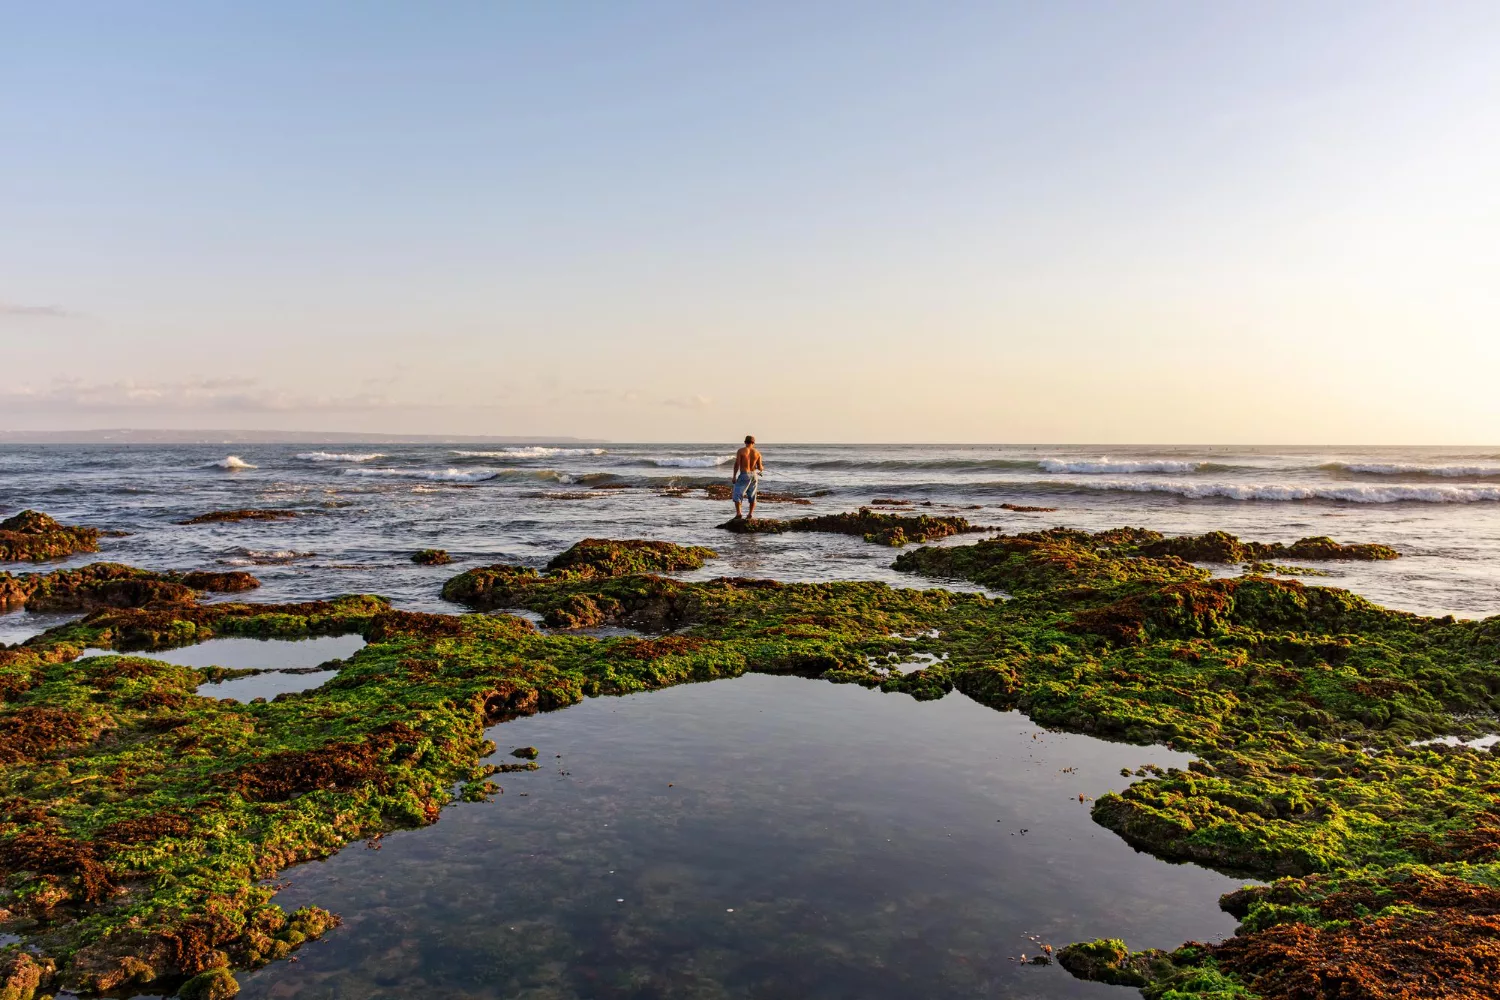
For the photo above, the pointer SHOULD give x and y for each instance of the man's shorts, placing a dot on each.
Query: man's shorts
(744, 487)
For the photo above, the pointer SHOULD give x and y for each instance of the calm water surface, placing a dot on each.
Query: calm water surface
(758, 837)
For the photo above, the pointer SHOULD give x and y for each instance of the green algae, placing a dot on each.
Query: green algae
(32, 536)
(873, 526)
(431, 557)
(140, 819)
(99, 585)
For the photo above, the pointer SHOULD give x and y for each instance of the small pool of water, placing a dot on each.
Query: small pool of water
(262, 654)
(764, 837)
(267, 685)
(20, 625)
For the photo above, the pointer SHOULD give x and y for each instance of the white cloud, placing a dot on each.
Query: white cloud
(239, 395)
(14, 310)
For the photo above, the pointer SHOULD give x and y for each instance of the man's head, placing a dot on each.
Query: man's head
(749, 438)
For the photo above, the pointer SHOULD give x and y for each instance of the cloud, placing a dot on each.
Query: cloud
(693, 402)
(14, 310)
(239, 395)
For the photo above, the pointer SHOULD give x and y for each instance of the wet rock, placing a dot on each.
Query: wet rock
(244, 514)
(526, 753)
(32, 536)
(608, 557)
(431, 557)
(215, 984)
(113, 585)
(872, 526)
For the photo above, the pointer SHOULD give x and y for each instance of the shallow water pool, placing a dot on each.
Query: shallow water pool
(263, 654)
(269, 655)
(758, 837)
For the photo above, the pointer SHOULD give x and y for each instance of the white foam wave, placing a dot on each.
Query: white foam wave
(1281, 491)
(339, 456)
(1104, 465)
(1400, 469)
(691, 461)
(534, 452)
(265, 557)
(434, 475)
(232, 463)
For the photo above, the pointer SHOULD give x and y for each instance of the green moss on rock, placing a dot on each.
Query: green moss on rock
(32, 536)
(872, 526)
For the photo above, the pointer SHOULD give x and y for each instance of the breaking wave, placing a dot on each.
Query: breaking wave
(1104, 466)
(536, 452)
(434, 475)
(925, 463)
(691, 462)
(260, 557)
(339, 456)
(232, 463)
(1281, 491)
(1400, 469)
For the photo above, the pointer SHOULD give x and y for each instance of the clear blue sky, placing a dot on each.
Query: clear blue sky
(1149, 221)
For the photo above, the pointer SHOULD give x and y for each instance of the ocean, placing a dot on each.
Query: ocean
(363, 510)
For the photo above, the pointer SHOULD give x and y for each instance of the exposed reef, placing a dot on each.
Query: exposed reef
(1222, 547)
(247, 514)
(432, 557)
(872, 526)
(32, 536)
(568, 597)
(113, 585)
(723, 491)
(140, 820)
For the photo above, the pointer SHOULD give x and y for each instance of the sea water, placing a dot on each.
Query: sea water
(364, 509)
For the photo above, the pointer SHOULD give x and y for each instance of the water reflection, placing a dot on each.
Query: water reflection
(263, 654)
(761, 837)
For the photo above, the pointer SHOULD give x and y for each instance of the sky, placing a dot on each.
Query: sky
(1155, 221)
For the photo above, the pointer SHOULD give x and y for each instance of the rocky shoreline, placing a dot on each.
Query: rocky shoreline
(141, 819)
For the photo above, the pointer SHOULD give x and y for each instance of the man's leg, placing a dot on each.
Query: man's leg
(737, 509)
(752, 510)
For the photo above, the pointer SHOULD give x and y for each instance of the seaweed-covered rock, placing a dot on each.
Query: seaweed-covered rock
(872, 526)
(1222, 547)
(244, 514)
(612, 557)
(113, 585)
(1047, 561)
(22, 975)
(215, 984)
(1107, 960)
(432, 557)
(232, 582)
(32, 536)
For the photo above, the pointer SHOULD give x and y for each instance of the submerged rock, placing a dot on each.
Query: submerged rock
(246, 514)
(432, 557)
(32, 536)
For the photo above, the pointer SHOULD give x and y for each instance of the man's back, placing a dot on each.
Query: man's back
(747, 459)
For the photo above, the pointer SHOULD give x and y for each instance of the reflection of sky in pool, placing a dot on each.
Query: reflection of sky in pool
(764, 837)
(20, 625)
(265, 686)
(265, 654)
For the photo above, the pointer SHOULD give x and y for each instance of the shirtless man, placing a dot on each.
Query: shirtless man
(746, 476)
